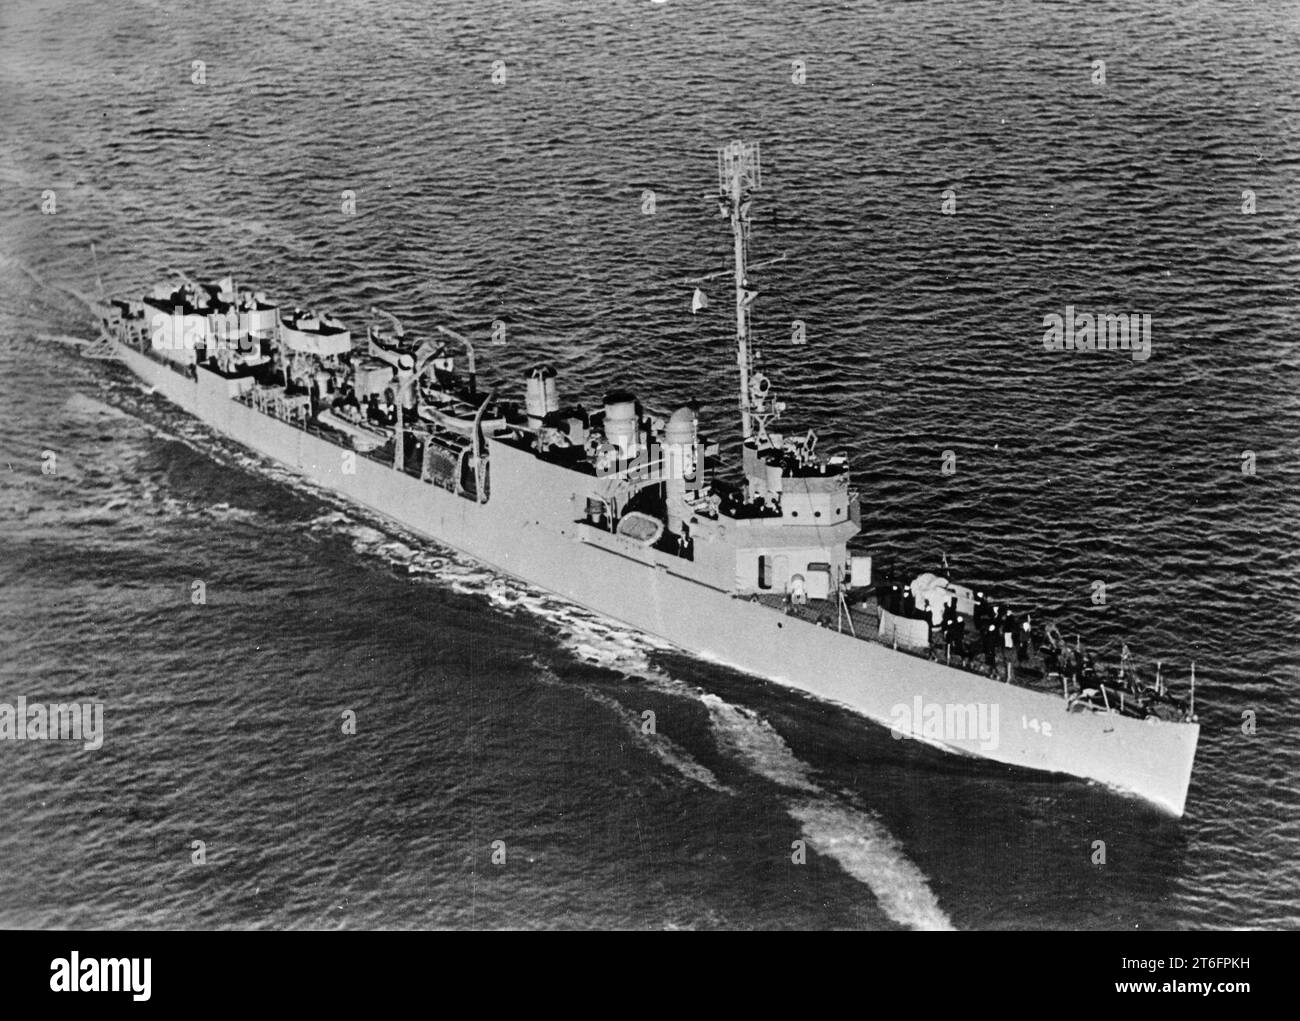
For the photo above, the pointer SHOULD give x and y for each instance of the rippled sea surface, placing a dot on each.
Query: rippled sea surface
(487, 711)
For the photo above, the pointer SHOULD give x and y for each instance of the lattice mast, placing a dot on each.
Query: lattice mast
(739, 175)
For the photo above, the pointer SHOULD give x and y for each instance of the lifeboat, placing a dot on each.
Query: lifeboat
(457, 416)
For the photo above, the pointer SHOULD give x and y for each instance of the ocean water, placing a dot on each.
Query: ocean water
(489, 712)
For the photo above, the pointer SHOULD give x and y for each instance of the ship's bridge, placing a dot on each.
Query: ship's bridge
(789, 482)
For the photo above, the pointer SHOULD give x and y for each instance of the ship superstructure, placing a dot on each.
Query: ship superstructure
(626, 511)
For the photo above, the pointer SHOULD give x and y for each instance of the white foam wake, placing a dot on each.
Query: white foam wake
(662, 748)
(855, 839)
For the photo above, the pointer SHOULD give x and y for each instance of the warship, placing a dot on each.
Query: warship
(632, 514)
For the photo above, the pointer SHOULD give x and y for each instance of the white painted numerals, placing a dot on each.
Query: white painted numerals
(1039, 726)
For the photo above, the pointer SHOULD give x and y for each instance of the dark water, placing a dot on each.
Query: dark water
(487, 712)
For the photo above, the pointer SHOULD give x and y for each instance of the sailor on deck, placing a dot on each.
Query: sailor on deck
(954, 637)
(1023, 646)
(949, 613)
(684, 546)
(990, 645)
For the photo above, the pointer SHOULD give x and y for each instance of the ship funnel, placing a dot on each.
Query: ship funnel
(542, 396)
(620, 422)
(683, 426)
(681, 435)
(680, 463)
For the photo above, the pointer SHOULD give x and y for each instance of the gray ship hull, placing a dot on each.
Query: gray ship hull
(529, 528)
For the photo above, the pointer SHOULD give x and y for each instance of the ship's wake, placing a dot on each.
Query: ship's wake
(849, 835)
(661, 747)
(854, 838)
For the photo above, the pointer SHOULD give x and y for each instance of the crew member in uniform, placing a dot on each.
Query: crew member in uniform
(1023, 646)
(990, 646)
(949, 613)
